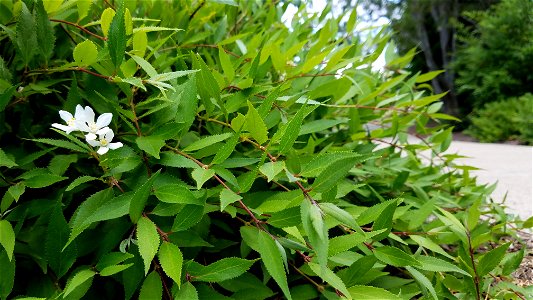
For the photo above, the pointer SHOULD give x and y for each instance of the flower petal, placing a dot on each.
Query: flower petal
(65, 115)
(102, 131)
(93, 143)
(79, 112)
(90, 137)
(65, 128)
(114, 146)
(104, 120)
(82, 126)
(109, 135)
(102, 150)
(87, 115)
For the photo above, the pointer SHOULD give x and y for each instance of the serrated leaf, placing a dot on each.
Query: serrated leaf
(43, 180)
(395, 257)
(227, 149)
(171, 261)
(112, 258)
(422, 280)
(187, 292)
(226, 64)
(138, 201)
(270, 255)
(226, 2)
(6, 161)
(271, 169)
(345, 242)
(428, 76)
(175, 193)
(85, 53)
(44, 32)
(7, 238)
(224, 269)
(150, 144)
(331, 278)
(146, 66)
(491, 259)
(318, 125)
(148, 241)
(172, 159)
(202, 175)
(340, 215)
(429, 244)
(154, 28)
(187, 217)
(188, 103)
(292, 130)
(140, 41)
(172, 75)
(80, 180)
(322, 161)
(152, 288)
(333, 173)
(79, 278)
(255, 125)
(371, 293)
(116, 42)
(207, 85)
(17, 190)
(61, 144)
(112, 270)
(384, 220)
(26, 35)
(434, 264)
(228, 197)
(83, 8)
(318, 240)
(106, 19)
(207, 141)
(57, 235)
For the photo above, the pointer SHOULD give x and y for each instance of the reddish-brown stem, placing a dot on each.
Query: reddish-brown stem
(165, 287)
(110, 5)
(476, 276)
(318, 286)
(92, 73)
(80, 28)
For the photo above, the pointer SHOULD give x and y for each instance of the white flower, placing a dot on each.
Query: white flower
(88, 124)
(104, 142)
(72, 121)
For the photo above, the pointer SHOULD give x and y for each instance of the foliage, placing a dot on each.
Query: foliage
(494, 58)
(258, 161)
(504, 120)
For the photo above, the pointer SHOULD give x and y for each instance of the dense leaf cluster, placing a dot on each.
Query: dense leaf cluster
(259, 161)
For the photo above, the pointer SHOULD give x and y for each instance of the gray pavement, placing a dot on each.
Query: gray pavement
(509, 165)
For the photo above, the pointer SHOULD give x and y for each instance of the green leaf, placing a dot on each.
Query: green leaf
(17, 190)
(207, 85)
(106, 19)
(227, 197)
(491, 259)
(83, 8)
(201, 175)
(26, 34)
(140, 41)
(148, 241)
(428, 76)
(43, 180)
(171, 261)
(80, 180)
(112, 259)
(175, 193)
(340, 215)
(271, 169)
(322, 161)
(331, 278)
(316, 231)
(116, 42)
(226, 2)
(7, 238)
(345, 242)
(187, 292)
(7, 275)
(172, 75)
(429, 244)
(112, 270)
(395, 257)
(224, 269)
(172, 159)
(150, 144)
(138, 201)
(318, 125)
(255, 125)
(423, 281)
(333, 173)
(146, 66)
(44, 32)
(227, 149)
(57, 235)
(272, 259)
(188, 103)
(79, 278)
(61, 144)
(207, 141)
(85, 53)
(292, 130)
(434, 264)
(384, 220)
(6, 161)
(371, 293)
(187, 217)
(152, 288)
(227, 66)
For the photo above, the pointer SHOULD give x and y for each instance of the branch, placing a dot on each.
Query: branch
(80, 27)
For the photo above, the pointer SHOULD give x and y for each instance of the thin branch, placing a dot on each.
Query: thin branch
(476, 276)
(196, 10)
(80, 27)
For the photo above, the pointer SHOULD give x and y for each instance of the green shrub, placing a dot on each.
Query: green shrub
(246, 167)
(507, 120)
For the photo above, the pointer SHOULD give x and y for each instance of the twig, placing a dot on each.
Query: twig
(80, 27)
(196, 10)
(476, 276)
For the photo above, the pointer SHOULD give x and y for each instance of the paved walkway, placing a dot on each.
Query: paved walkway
(509, 165)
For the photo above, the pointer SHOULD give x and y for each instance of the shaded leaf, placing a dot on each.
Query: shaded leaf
(152, 288)
(221, 270)
(138, 201)
(148, 241)
(272, 259)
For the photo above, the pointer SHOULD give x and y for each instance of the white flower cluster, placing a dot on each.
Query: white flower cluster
(98, 134)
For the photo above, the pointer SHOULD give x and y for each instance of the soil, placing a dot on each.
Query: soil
(524, 274)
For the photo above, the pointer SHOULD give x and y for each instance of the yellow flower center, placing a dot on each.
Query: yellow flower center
(71, 122)
(104, 142)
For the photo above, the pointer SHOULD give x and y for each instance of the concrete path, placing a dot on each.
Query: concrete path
(509, 165)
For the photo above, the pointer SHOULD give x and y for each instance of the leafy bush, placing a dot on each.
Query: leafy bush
(504, 120)
(246, 169)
